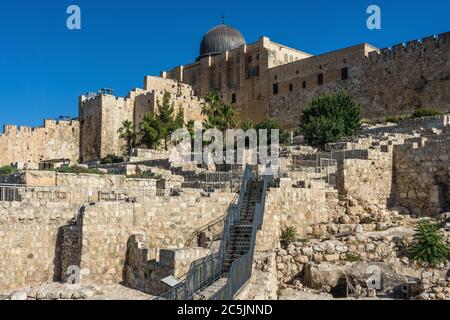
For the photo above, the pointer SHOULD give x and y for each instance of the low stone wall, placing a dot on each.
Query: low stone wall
(368, 180)
(144, 271)
(422, 176)
(167, 222)
(288, 206)
(30, 243)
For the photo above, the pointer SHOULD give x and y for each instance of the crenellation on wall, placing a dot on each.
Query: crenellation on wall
(54, 140)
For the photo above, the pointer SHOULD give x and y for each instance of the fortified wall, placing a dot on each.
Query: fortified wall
(29, 146)
(267, 80)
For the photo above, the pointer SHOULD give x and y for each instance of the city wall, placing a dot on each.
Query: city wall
(29, 146)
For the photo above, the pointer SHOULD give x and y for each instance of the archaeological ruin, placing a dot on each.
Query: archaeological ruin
(148, 227)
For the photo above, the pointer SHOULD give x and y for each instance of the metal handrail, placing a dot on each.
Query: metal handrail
(241, 269)
(207, 270)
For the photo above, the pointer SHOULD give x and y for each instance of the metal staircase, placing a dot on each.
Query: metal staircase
(220, 276)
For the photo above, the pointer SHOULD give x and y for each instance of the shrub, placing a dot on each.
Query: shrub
(145, 175)
(430, 248)
(425, 112)
(396, 119)
(7, 170)
(77, 170)
(330, 117)
(351, 257)
(111, 158)
(288, 235)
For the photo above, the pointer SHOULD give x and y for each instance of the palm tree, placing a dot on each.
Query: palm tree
(228, 117)
(212, 104)
(128, 133)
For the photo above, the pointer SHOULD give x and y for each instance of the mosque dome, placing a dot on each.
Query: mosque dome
(220, 39)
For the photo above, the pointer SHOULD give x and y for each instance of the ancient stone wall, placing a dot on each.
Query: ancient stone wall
(265, 79)
(30, 243)
(29, 146)
(422, 175)
(367, 180)
(102, 115)
(288, 206)
(144, 270)
(167, 222)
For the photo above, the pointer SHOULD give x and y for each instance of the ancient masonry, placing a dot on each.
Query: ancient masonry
(353, 205)
(29, 146)
(261, 80)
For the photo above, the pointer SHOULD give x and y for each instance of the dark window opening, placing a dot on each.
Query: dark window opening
(298, 72)
(304, 85)
(250, 59)
(276, 77)
(344, 73)
(275, 88)
(320, 79)
(233, 98)
(257, 57)
(291, 87)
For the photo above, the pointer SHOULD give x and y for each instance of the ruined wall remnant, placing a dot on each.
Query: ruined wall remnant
(30, 242)
(367, 180)
(422, 175)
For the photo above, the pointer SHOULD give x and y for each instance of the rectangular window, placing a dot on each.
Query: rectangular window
(275, 88)
(320, 79)
(344, 73)
(291, 87)
(304, 85)
(233, 98)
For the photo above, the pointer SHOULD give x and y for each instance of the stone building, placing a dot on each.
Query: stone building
(101, 114)
(269, 80)
(261, 80)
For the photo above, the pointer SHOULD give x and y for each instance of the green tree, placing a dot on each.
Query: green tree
(128, 133)
(430, 248)
(330, 117)
(159, 126)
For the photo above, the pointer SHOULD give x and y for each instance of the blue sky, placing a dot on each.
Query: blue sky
(44, 67)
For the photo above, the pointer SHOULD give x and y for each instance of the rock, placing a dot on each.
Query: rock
(86, 294)
(371, 293)
(341, 248)
(53, 295)
(331, 257)
(76, 295)
(301, 258)
(359, 228)
(318, 257)
(307, 251)
(19, 295)
(280, 266)
(345, 219)
(440, 296)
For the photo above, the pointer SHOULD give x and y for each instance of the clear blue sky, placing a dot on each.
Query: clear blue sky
(44, 66)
